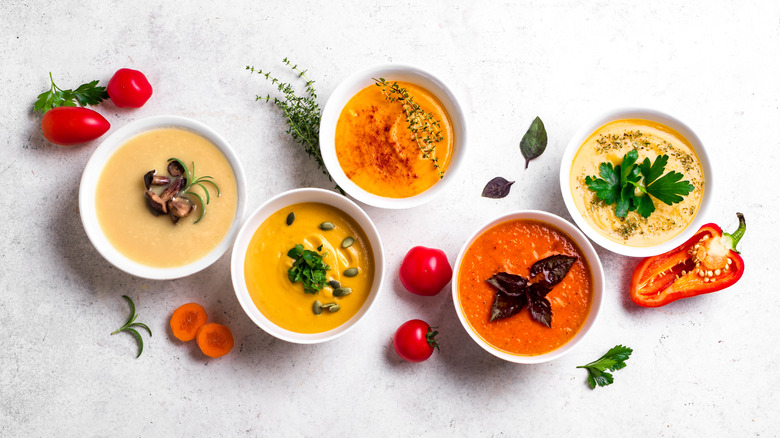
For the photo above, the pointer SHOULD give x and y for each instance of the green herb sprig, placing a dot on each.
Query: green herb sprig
(425, 128)
(189, 174)
(628, 184)
(308, 269)
(128, 327)
(85, 94)
(302, 113)
(613, 360)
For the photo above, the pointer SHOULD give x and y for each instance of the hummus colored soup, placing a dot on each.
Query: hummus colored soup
(376, 149)
(126, 219)
(609, 144)
(285, 303)
(513, 247)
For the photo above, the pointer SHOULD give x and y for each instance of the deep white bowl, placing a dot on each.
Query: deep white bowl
(392, 72)
(644, 114)
(91, 175)
(597, 276)
(270, 207)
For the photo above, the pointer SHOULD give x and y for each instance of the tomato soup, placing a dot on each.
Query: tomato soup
(126, 219)
(377, 150)
(267, 263)
(513, 247)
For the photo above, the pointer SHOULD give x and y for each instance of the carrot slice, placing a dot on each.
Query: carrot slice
(186, 320)
(214, 340)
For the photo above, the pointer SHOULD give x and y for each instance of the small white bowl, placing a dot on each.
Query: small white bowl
(392, 72)
(596, 271)
(270, 207)
(89, 183)
(643, 114)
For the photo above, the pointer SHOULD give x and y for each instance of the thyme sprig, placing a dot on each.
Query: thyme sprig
(189, 174)
(425, 128)
(128, 327)
(302, 113)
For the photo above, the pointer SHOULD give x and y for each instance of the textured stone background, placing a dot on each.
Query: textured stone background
(702, 367)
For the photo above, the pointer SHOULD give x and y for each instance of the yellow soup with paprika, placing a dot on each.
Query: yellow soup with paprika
(326, 233)
(378, 150)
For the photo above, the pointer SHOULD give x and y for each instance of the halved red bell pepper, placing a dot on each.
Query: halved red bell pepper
(707, 262)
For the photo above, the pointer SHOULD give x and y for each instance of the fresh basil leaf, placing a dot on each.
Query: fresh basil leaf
(540, 310)
(497, 188)
(505, 306)
(510, 284)
(534, 142)
(554, 268)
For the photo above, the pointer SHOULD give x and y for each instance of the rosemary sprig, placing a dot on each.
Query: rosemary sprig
(425, 128)
(302, 113)
(128, 327)
(189, 174)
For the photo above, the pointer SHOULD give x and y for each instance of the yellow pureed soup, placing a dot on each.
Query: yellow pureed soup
(610, 143)
(376, 149)
(126, 219)
(266, 267)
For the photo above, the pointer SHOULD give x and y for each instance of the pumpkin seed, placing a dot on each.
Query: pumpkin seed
(334, 308)
(328, 305)
(342, 291)
(346, 243)
(316, 307)
(334, 284)
(326, 226)
(290, 218)
(351, 272)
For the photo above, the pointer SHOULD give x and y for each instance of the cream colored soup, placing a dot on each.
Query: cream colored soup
(609, 144)
(156, 241)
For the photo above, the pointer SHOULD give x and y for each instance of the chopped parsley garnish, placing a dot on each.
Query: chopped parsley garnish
(628, 184)
(308, 269)
(613, 360)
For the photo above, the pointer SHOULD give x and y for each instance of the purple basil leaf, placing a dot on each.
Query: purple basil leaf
(505, 306)
(540, 310)
(510, 284)
(554, 268)
(497, 188)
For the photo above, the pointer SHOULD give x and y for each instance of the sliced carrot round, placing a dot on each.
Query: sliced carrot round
(186, 320)
(214, 340)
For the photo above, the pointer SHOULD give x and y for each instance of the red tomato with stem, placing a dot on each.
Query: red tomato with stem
(425, 271)
(70, 125)
(415, 340)
(129, 88)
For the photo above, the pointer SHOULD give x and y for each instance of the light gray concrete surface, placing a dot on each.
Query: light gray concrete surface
(701, 367)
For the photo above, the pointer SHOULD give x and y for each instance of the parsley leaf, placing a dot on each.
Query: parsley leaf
(308, 269)
(85, 94)
(628, 185)
(613, 360)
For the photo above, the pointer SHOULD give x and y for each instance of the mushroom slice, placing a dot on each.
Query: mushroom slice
(175, 168)
(173, 189)
(156, 204)
(180, 206)
(152, 179)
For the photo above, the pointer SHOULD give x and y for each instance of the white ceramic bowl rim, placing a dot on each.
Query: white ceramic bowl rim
(395, 72)
(256, 219)
(597, 276)
(644, 114)
(91, 176)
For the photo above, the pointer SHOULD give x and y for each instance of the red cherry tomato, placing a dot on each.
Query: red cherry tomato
(425, 271)
(415, 340)
(129, 88)
(70, 125)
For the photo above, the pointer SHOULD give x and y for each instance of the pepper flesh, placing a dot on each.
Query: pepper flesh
(707, 262)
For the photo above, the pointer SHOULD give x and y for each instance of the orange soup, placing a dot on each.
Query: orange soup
(377, 150)
(513, 247)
